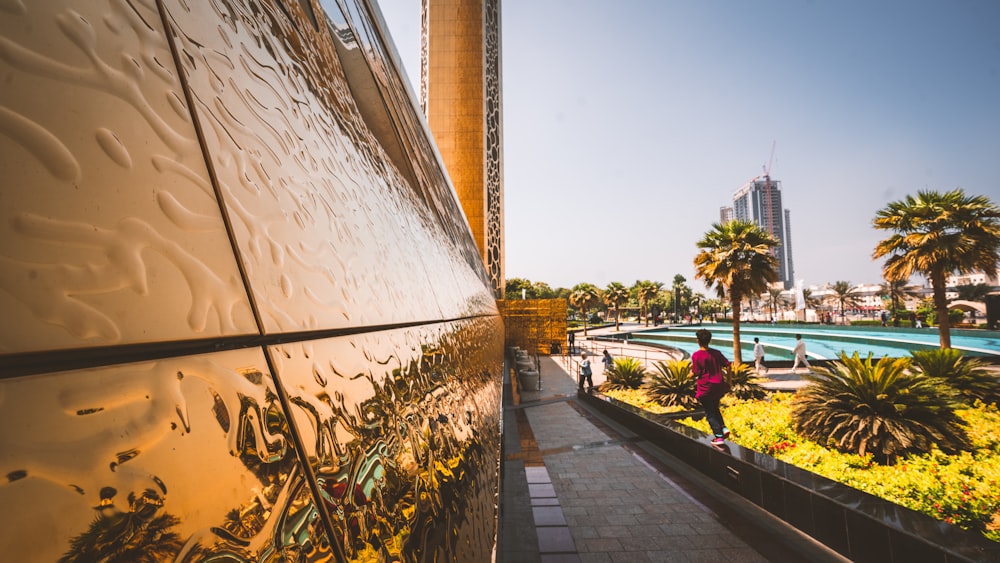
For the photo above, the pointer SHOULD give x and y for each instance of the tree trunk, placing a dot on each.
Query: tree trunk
(737, 355)
(616, 319)
(584, 323)
(941, 306)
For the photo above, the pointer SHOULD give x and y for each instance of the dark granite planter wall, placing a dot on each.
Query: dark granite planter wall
(857, 525)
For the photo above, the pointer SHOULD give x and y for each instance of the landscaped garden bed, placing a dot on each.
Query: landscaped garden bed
(961, 489)
(958, 486)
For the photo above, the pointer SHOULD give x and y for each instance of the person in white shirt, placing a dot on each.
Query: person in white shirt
(758, 356)
(586, 373)
(800, 354)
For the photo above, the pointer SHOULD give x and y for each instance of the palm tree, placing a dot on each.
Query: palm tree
(615, 295)
(677, 288)
(812, 301)
(773, 300)
(897, 292)
(844, 295)
(879, 408)
(584, 297)
(937, 234)
(711, 306)
(736, 258)
(645, 292)
(696, 300)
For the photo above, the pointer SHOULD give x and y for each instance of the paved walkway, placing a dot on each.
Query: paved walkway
(578, 487)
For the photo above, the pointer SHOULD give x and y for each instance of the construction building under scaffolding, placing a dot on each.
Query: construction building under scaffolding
(759, 201)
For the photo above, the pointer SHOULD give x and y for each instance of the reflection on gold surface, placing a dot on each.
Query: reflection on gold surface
(188, 455)
(400, 429)
(197, 196)
(304, 179)
(110, 232)
(135, 534)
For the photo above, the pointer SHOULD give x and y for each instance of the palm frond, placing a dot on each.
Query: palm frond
(882, 408)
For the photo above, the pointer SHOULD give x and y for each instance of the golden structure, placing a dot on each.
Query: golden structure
(460, 93)
(536, 325)
(244, 316)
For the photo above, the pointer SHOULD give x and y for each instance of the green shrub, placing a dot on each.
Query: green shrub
(961, 489)
(640, 399)
(672, 384)
(882, 408)
(744, 382)
(967, 376)
(954, 316)
(625, 373)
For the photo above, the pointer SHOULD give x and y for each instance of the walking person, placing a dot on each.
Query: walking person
(800, 354)
(608, 361)
(586, 373)
(758, 356)
(707, 365)
(572, 341)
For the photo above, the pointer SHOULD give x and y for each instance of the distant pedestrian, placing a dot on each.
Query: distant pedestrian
(758, 356)
(585, 373)
(572, 340)
(800, 354)
(608, 361)
(707, 364)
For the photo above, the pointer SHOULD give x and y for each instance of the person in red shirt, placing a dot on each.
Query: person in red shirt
(707, 364)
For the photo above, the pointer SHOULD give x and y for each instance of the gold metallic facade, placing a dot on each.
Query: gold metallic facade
(536, 325)
(244, 316)
(462, 97)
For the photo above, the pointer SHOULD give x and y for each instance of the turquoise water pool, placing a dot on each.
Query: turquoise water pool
(823, 342)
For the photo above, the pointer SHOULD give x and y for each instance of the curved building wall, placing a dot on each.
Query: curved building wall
(244, 317)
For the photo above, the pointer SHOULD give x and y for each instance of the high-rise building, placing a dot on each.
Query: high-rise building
(759, 201)
(725, 213)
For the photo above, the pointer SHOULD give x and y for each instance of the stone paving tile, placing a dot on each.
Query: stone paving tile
(639, 543)
(595, 558)
(555, 539)
(742, 556)
(616, 506)
(678, 529)
(598, 544)
(704, 556)
(548, 516)
(560, 558)
(667, 557)
(613, 531)
(674, 543)
(630, 557)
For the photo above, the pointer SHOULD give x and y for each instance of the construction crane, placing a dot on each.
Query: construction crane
(767, 190)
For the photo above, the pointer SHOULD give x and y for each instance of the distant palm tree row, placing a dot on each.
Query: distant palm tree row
(933, 234)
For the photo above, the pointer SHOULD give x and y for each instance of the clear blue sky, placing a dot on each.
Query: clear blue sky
(628, 124)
